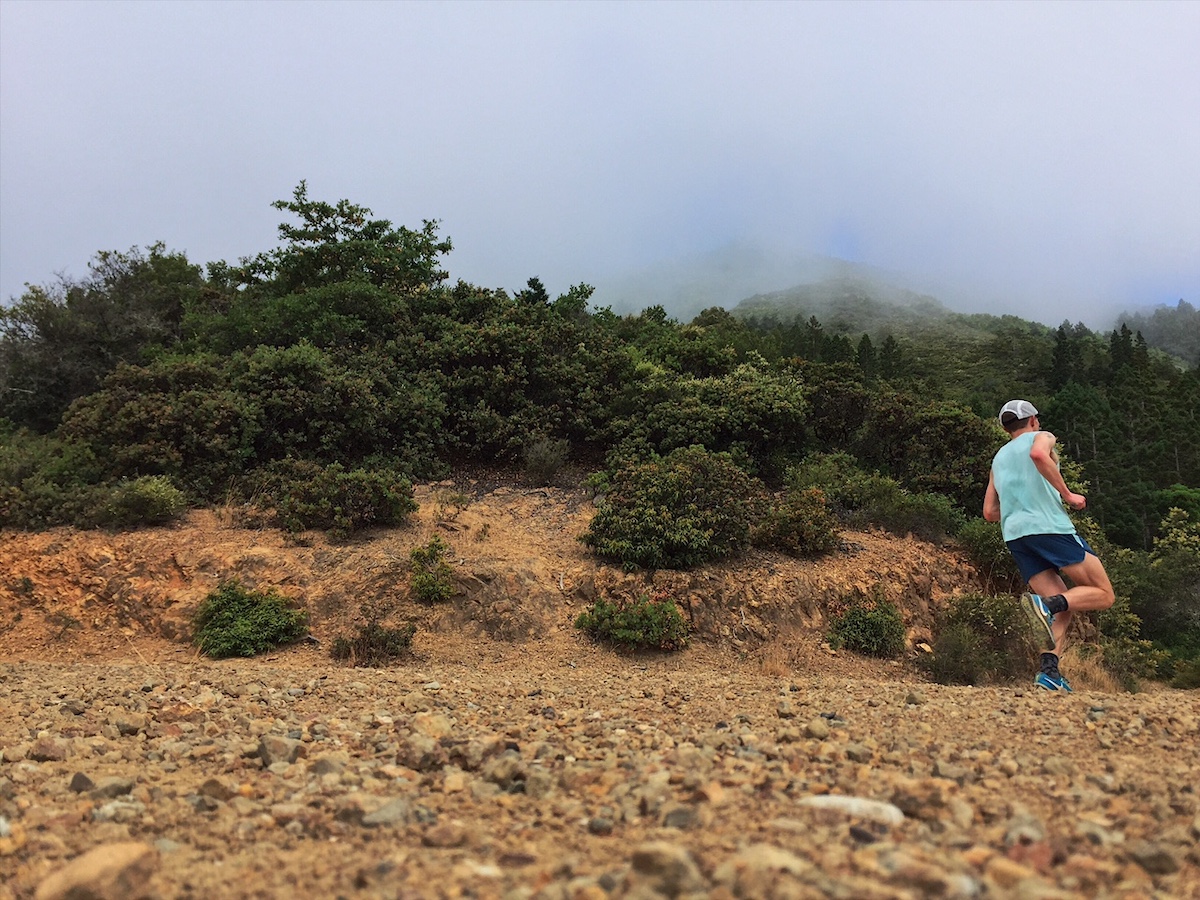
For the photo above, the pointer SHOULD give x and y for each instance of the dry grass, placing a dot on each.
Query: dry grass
(1087, 673)
(775, 659)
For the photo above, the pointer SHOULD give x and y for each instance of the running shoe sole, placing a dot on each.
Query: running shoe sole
(1039, 619)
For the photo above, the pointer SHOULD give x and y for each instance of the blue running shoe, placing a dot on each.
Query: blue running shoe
(1041, 620)
(1052, 682)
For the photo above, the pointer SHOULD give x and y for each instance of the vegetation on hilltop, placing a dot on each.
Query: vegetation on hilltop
(319, 379)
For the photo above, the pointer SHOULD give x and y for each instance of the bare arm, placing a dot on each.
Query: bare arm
(1046, 460)
(991, 502)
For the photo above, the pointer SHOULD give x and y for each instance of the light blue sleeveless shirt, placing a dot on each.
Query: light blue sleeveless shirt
(1028, 504)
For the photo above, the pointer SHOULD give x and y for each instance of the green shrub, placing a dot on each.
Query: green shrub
(984, 543)
(376, 643)
(47, 481)
(977, 639)
(1187, 675)
(801, 525)
(649, 623)
(687, 508)
(872, 629)
(234, 621)
(868, 498)
(1124, 653)
(175, 417)
(958, 657)
(543, 458)
(309, 495)
(150, 500)
(432, 577)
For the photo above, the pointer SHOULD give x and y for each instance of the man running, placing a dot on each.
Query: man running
(1025, 494)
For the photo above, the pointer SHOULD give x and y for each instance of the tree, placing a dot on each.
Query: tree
(58, 342)
(340, 278)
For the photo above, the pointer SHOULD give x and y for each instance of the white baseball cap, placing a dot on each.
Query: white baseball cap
(1016, 409)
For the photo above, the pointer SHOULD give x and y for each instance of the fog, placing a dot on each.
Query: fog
(1032, 158)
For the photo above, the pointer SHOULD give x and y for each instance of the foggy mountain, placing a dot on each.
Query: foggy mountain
(723, 277)
(752, 278)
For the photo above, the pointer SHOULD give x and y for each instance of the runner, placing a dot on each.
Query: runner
(1025, 494)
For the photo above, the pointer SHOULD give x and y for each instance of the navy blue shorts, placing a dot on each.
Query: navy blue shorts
(1036, 553)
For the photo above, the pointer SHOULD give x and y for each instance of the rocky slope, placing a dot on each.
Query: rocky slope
(510, 758)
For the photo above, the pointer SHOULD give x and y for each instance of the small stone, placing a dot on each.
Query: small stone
(915, 698)
(80, 783)
(127, 722)
(217, 790)
(858, 753)
(1006, 873)
(450, 834)
(273, 748)
(817, 729)
(666, 868)
(682, 817)
(600, 825)
(395, 812)
(110, 788)
(1154, 858)
(48, 750)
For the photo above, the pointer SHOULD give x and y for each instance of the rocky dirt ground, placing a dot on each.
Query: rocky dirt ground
(511, 758)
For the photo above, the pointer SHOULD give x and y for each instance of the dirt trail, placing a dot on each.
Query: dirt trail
(511, 758)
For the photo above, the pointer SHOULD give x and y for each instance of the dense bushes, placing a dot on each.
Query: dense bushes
(309, 495)
(977, 639)
(799, 524)
(323, 375)
(985, 546)
(235, 621)
(175, 417)
(868, 498)
(648, 623)
(872, 628)
(677, 511)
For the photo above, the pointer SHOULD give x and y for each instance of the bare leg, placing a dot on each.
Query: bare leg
(1092, 590)
(1047, 584)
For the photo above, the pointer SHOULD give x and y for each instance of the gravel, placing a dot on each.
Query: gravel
(542, 773)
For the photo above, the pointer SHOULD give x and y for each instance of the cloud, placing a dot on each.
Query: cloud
(1038, 157)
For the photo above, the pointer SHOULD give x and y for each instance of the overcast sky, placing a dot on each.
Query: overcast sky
(1045, 155)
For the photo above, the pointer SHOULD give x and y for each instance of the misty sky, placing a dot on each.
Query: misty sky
(1045, 156)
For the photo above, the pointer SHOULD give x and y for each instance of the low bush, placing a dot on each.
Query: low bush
(543, 458)
(432, 577)
(800, 525)
(870, 628)
(150, 500)
(1187, 675)
(677, 511)
(649, 623)
(958, 657)
(234, 621)
(985, 546)
(310, 495)
(1126, 655)
(376, 643)
(868, 498)
(977, 640)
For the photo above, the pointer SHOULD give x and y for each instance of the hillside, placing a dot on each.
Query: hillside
(519, 571)
(511, 758)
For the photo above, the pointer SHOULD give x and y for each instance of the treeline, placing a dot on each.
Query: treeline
(348, 344)
(346, 364)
